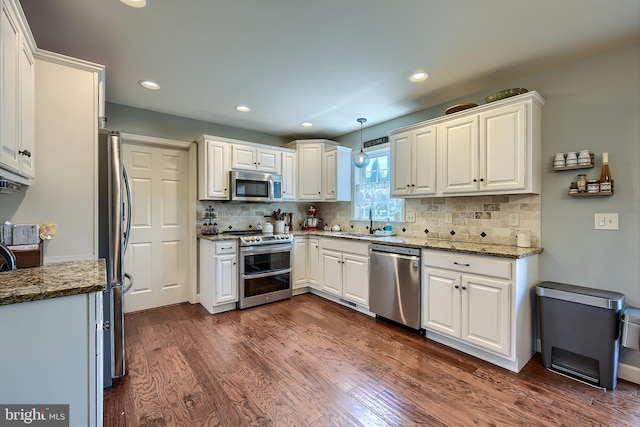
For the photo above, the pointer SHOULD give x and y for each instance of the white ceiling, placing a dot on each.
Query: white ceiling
(324, 61)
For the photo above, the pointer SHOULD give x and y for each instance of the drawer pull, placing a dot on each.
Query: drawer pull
(464, 265)
(224, 249)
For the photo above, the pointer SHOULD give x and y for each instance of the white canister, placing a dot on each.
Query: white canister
(278, 227)
(523, 239)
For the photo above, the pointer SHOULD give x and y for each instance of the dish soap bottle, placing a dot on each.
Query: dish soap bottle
(387, 226)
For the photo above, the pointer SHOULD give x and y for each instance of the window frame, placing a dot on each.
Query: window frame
(357, 173)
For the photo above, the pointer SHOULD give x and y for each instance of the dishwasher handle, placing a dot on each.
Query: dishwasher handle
(396, 250)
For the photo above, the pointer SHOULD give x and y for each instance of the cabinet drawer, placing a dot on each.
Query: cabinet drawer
(226, 247)
(484, 266)
(343, 245)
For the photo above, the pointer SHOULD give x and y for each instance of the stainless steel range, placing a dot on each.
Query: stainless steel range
(265, 267)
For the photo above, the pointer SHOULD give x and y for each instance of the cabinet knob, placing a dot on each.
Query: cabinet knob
(475, 180)
(413, 185)
(25, 153)
(481, 179)
(408, 185)
(456, 286)
(464, 288)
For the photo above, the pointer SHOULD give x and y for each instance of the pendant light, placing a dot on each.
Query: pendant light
(361, 160)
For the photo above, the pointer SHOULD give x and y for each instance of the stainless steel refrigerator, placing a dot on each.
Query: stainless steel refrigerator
(114, 224)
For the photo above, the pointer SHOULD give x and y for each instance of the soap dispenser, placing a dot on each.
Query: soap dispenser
(387, 226)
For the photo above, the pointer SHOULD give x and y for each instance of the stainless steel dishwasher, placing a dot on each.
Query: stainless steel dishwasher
(394, 284)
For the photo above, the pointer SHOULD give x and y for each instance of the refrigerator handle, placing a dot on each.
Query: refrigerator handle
(127, 233)
(130, 285)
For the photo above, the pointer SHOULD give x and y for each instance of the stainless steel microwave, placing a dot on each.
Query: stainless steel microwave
(247, 186)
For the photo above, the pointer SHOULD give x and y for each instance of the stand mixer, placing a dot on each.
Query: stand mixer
(312, 221)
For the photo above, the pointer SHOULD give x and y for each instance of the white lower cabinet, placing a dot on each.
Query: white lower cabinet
(52, 353)
(314, 262)
(344, 270)
(218, 275)
(300, 262)
(480, 305)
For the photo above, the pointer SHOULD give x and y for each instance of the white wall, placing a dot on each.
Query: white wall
(64, 188)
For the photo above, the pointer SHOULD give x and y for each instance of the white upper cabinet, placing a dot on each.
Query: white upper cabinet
(255, 158)
(324, 170)
(17, 95)
(289, 175)
(213, 169)
(459, 155)
(491, 149)
(336, 174)
(413, 163)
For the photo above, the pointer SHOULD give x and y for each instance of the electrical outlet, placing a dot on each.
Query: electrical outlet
(411, 217)
(448, 217)
(606, 221)
(514, 219)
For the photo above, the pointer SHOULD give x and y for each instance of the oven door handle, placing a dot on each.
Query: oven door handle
(268, 274)
(266, 249)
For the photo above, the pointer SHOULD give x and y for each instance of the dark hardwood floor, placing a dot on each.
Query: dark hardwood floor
(310, 362)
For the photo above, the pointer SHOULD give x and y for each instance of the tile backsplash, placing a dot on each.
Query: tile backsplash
(489, 219)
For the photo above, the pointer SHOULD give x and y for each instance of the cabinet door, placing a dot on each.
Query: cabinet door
(268, 161)
(485, 313)
(27, 112)
(243, 157)
(355, 278)
(441, 301)
(310, 171)
(503, 148)
(330, 174)
(300, 262)
(9, 88)
(424, 162)
(206, 273)
(401, 162)
(289, 176)
(459, 155)
(314, 263)
(216, 170)
(331, 271)
(226, 279)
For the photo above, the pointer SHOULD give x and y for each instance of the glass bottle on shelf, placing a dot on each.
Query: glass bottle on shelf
(606, 182)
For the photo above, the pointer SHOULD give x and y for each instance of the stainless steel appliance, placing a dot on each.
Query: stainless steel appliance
(9, 187)
(265, 267)
(114, 225)
(394, 287)
(247, 186)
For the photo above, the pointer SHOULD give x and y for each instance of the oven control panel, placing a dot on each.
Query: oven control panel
(266, 239)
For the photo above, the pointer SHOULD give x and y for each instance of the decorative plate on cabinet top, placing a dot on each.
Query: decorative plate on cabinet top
(505, 94)
(459, 107)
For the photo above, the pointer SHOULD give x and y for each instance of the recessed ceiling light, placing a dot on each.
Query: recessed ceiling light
(135, 3)
(306, 124)
(243, 108)
(148, 84)
(419, 77)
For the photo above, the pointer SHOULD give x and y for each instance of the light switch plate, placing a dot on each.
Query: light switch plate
(411, 217)
(514, 219)
(606, 221)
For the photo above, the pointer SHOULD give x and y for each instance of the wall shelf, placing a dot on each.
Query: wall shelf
(598, 194)
(570, 168)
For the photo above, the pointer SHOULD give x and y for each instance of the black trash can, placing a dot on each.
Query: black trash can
(580, 332)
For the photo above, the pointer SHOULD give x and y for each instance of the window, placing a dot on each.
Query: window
(373, 189)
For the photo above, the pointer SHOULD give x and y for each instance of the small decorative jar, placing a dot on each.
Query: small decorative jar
(582, 183)
(593, 186)
(573, 188)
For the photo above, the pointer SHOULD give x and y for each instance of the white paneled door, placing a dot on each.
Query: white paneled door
(157, 256)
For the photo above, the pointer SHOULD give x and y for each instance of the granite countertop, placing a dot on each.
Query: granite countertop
(414, 242)
(52, 281)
